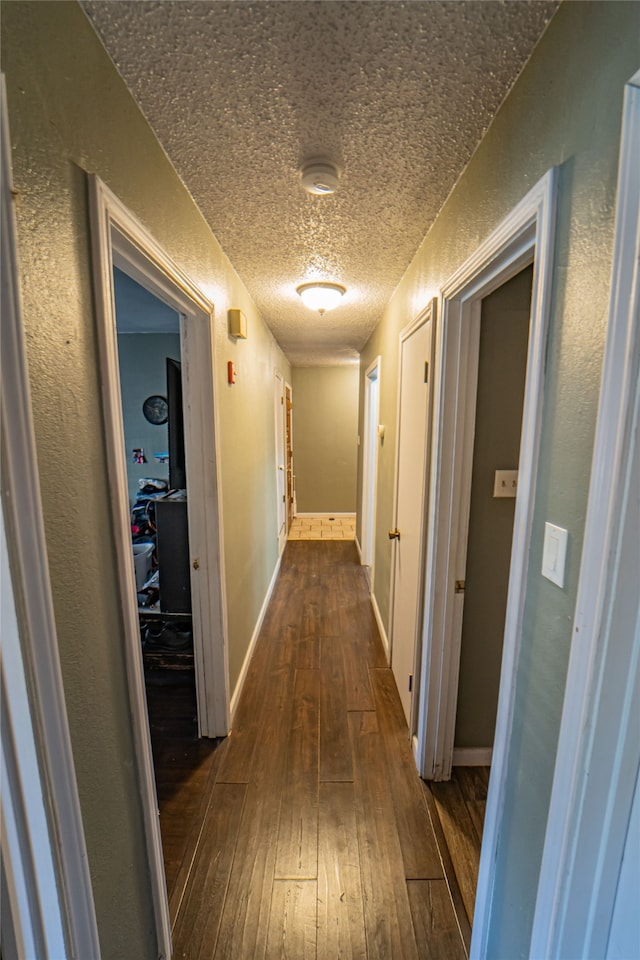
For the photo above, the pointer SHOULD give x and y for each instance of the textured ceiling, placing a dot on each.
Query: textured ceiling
(398, 95)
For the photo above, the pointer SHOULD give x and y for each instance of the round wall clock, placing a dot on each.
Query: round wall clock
(156, 410)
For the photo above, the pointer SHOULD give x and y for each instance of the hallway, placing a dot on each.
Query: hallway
(317, 836)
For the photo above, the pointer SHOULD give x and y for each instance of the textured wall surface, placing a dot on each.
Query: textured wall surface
(69, 112)
(564, 110)
(325, 438)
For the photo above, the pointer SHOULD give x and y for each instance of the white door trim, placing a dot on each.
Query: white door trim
(428, 314)
(294, 511)
(41, 816)
(118, 238)
(598, 749)
(370, 467)
(281, 468)
(526, 233)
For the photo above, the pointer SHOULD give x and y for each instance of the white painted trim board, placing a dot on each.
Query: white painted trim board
(357, 543)
(302, 516)
(242, 676)
(381, 627)
(117, 237)
(36, 642)
(598, 749)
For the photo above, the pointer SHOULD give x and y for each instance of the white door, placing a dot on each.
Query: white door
(280, 461)
(413, 449)
(290, 492)
(370, 461)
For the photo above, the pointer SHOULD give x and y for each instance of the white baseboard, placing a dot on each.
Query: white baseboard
(283, 536)
(252, 643)
(357, 543)
(331, 514)
(472, 756)
(383, 632)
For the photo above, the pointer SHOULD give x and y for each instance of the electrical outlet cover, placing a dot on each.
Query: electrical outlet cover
(554, 553)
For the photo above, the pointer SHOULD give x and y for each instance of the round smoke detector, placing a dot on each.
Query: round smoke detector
(320, 179)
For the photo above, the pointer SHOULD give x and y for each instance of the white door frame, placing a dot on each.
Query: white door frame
(289, 388)
(525, 235)
(425, 316)
(370, 466)
(46, 878)
(281, 461)
(119, 239)
(599, 749)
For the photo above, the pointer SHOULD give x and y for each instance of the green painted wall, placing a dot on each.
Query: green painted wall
(564, 110)
(504, 337)
(142, 362)
(70, 113)
(325, 438)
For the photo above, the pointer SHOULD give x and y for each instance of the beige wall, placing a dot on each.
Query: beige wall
(325, 438)
(504, 337)
(564, 111)
(70, 113)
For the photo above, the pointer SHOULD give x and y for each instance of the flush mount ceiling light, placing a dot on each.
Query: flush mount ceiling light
(321, 296)
(320, 178)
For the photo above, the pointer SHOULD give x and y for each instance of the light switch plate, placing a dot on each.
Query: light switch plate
(505, 483)
(554, 553)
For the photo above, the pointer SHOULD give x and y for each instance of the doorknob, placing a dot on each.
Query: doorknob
(394, 534)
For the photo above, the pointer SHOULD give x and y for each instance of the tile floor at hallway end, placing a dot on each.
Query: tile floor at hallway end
(307, 832)
(323, 527)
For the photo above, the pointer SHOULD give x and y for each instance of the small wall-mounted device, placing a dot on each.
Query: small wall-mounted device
(231, 372)
(505, 483)
(381, 430)
(554, 553)
(237, 324)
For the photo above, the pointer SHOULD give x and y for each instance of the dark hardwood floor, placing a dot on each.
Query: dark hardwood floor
(307, 832)
(460, 807)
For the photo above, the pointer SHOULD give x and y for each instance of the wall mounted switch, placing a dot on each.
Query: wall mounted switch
(505, 483)
(554, 553)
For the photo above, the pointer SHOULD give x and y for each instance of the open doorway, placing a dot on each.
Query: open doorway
(502, 364)
(149, 356)
(120, 241)
(150, 368)
(502, 359)
(525, 237)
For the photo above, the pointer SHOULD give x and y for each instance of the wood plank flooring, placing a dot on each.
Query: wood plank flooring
(460, 804)
(307, 833)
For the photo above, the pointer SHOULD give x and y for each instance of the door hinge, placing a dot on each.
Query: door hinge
(410, 682)
(426, 371)
(460, 585)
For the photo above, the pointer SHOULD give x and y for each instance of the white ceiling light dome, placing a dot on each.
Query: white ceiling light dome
(320, 178)
(321, 296)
